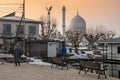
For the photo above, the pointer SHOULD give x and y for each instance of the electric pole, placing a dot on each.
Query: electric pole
(49, 22)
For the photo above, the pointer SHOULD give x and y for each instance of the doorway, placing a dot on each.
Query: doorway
(118, 74)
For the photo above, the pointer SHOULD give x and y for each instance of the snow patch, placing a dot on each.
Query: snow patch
(39, 62)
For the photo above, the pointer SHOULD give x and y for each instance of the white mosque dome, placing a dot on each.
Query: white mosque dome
(78, 24)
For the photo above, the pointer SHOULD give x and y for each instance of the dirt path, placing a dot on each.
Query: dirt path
(35, 72)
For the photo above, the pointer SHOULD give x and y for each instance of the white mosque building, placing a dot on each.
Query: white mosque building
(77, 24)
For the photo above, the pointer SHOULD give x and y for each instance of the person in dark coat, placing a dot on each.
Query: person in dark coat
(17, 54)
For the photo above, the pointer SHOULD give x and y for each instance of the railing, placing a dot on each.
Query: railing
(114, 56)
(6, 34)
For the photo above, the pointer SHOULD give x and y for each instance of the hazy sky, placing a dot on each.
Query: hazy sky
(95, 12)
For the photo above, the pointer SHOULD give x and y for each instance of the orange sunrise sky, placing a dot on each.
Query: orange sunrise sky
(95, 12)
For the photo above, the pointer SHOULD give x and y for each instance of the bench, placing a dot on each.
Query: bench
(59, 61)
(99, 67)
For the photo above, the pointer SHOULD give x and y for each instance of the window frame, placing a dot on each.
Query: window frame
(118, 49)
(21, 30)
(32, 30)
(6, 28)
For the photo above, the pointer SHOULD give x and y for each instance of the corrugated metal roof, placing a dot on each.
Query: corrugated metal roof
(114, 40)
(17, 18)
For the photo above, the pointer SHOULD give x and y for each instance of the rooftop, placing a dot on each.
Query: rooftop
(17, 18)
(113, 40)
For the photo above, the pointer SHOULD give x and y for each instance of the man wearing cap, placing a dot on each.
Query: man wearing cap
(17, 53)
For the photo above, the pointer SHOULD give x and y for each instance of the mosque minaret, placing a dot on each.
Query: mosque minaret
(63, 20)
(77, 23)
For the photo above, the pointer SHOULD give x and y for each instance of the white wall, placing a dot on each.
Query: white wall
(114, 51)
(13, 27)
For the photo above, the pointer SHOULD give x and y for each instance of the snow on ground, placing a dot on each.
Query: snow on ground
(89, 52)
(1, 62)
(39, 62)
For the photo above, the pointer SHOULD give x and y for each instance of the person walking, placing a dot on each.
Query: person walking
(70, 50)
(63, 51)
(17, 54)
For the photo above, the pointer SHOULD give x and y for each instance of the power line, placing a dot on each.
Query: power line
(10, 12)
(12, 7)
(8, 8)
(11, 4)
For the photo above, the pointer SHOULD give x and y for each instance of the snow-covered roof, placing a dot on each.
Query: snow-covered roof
(114, 40)
(17, 18)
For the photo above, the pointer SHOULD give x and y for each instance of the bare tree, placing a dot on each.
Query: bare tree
(98, 34)
(92, 38)
(107, 35)
(74, 37)
(46, 32)
(93, 35)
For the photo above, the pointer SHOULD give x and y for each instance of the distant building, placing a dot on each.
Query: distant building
(9, 25)
(77, 24)
(113, 53)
